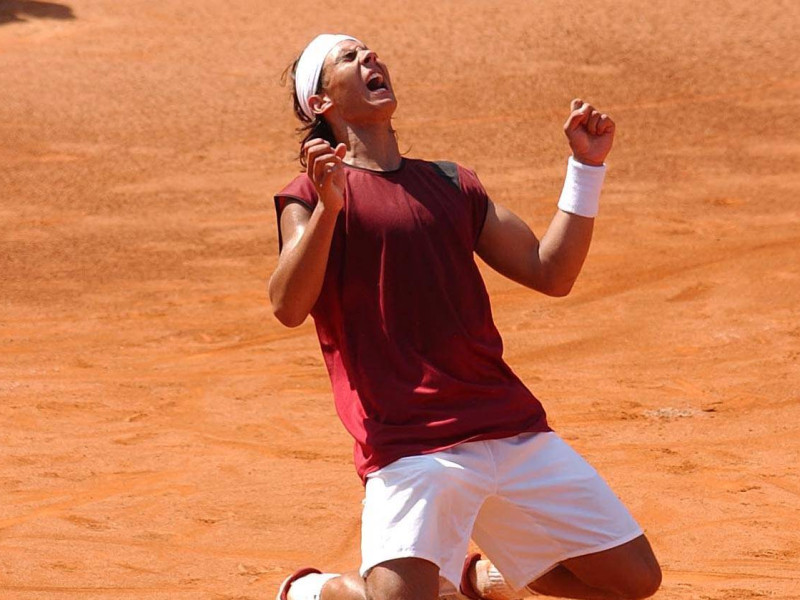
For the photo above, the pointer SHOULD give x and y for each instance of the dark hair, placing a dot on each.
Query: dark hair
(310, 128)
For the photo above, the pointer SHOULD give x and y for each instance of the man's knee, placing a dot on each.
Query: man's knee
(349, 586)
(627, 572)
(403, 579)
(642, 582)
(642, 577)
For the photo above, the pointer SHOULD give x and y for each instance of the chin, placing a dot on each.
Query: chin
(389, 105)
(382, 112)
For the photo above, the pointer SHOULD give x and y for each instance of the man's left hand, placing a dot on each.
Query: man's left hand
(590, 133)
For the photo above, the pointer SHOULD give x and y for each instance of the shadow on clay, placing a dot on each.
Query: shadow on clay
(16, 11)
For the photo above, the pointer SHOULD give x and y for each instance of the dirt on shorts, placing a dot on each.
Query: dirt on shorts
(162, 436)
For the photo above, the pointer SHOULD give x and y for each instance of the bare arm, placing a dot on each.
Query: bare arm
(297, 281)
(553, 264)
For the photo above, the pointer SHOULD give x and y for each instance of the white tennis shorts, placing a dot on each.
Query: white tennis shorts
(529, 502)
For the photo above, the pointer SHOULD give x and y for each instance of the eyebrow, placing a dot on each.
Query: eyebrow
(341, 55)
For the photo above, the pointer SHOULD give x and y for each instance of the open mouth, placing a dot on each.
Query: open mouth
(376, 82)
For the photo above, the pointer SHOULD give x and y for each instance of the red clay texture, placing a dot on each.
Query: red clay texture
(163, 437)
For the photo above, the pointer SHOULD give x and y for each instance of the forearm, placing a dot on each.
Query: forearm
(562, 252)
(552, 265)
(297, 281)
(564, 247)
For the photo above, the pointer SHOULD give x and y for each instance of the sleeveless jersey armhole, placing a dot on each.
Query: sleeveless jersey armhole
(301, 191)
(281, 202)
(473, 189)
(448, 171)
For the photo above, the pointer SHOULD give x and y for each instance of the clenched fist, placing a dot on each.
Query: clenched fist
(325, 169)
(590, 133)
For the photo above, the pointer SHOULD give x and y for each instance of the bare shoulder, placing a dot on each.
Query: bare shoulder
(294, 219)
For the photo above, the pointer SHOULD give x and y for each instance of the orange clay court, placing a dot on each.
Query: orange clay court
(162, 436)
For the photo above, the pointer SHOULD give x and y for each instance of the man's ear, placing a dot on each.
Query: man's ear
(320, 103)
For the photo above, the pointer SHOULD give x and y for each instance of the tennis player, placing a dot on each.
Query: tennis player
(380, 250)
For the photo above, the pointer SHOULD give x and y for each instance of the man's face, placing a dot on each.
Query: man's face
(358, 83)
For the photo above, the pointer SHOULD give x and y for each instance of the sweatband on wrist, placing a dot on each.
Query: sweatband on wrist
(581, 193)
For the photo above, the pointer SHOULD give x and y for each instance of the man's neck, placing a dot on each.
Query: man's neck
(372, 147)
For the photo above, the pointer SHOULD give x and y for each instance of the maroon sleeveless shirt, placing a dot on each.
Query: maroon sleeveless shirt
(404, 320)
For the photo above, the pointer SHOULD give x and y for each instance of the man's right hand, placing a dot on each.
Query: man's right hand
(325, 169)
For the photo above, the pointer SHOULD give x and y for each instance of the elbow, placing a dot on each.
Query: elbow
(551, 278)
(556, 288)
(559, 291)
(288, 317)
(286, 312)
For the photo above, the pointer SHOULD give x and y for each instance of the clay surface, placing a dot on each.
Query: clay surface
(162, 436)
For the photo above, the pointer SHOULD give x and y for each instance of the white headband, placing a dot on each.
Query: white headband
(309, 67)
